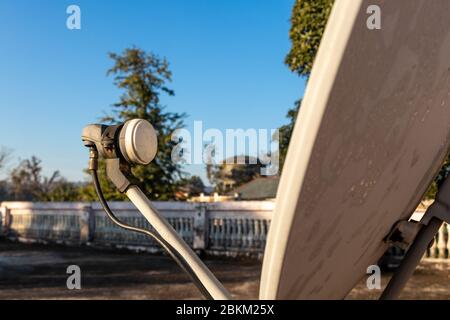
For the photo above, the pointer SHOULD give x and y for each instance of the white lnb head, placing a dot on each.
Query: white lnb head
(138, 141)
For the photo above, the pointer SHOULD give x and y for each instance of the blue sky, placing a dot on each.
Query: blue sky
(226, 58)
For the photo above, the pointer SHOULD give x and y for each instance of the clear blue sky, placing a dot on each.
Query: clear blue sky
(226, 58)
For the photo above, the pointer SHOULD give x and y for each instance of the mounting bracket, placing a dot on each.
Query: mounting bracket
(403, 233)
(429, 225)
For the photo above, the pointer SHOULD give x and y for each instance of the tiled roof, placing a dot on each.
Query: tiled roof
(258, 189)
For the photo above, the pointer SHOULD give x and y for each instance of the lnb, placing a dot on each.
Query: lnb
(134, 141)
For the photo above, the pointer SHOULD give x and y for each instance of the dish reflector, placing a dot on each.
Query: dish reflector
(373, 130)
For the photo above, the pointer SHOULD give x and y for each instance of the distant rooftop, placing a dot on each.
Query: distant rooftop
(258, 189)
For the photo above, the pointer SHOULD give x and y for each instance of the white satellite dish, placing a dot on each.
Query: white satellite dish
(373, 130)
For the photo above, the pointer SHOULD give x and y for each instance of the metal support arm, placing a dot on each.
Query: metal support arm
(210, 282)
(431, 222)
(215, 289)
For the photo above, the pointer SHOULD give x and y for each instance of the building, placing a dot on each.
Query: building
(261, 188)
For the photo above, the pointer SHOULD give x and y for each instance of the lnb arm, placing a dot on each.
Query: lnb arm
(135, 142)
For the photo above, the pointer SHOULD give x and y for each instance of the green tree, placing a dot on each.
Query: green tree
(442, 175)
(286, 132)
(63, 190)
(87, 191)
(143, 78)
(308, 21)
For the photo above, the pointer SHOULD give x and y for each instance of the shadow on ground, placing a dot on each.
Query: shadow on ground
(39, 272)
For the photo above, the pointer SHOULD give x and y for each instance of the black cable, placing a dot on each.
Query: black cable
(170, 250)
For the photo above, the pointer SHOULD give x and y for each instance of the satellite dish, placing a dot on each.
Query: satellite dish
(373, 130)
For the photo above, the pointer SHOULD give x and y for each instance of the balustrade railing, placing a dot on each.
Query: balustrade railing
(225, 228)
(220, 228)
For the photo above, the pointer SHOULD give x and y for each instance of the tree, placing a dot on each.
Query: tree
(5, 154)
(233, 173)
(143, 77)
(192, 186)
(286, 132)
(4, 191)
(308, 21)
(26, 180)
(28, 183)
(442, 175)
(63, 190)
(87, 191)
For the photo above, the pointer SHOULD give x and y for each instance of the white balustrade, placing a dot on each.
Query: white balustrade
(223, 228)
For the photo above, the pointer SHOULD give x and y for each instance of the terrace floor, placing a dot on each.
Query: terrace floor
(39, 272)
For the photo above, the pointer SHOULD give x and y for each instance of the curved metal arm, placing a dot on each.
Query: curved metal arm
(165, 230)
(170, 250)
(165, 235)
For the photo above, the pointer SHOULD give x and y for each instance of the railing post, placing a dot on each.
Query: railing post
(443, 240)
(200, 228)
(87, 224)
(446, 238)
